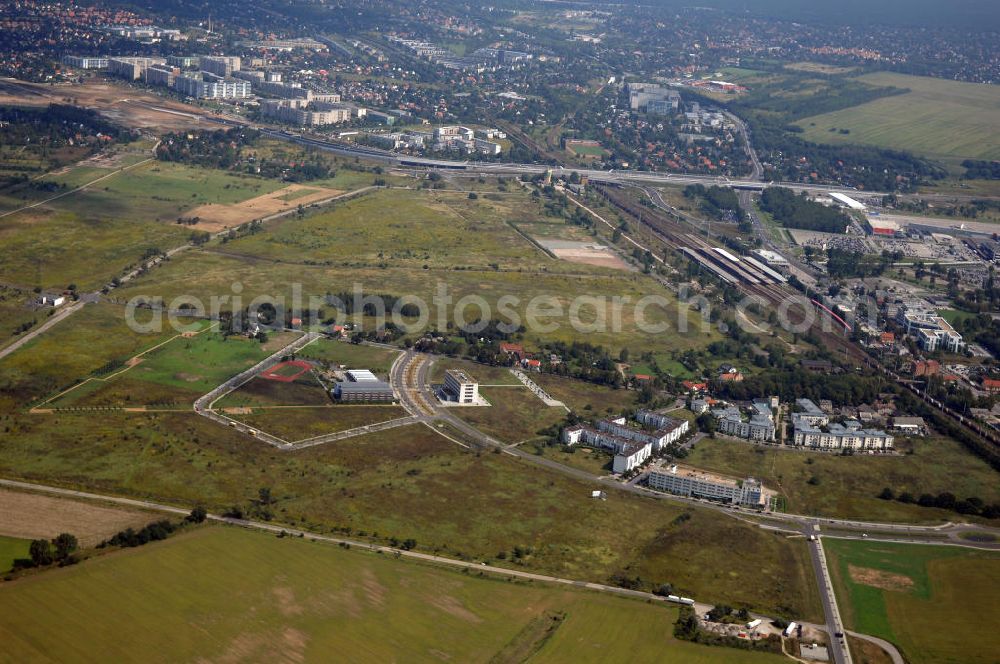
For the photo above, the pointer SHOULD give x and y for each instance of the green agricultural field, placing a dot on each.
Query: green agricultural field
(931, 601)
(847, 486)
(295, 424)
(941, 119)
(352, 356)
(312, 599)
(11, 549)
(71, 351)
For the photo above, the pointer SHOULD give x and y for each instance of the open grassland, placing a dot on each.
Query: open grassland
(54, 248)
(33, 516)
(598, 462)
(411, 483)
(72, 350)
(294, 424)
(514, 415)
(164, 191)
(405, 228)
(269, 598)
(938, 118)
(584, 397)
(11, 549)
(483, 374)
(206, 273)
(199, 363)
(931, 601)
(261, 392)
(847, 486)
(352, 356)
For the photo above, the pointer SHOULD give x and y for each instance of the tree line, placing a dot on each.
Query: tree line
(799, 212)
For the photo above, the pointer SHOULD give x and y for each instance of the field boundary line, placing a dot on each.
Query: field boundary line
(104, 379)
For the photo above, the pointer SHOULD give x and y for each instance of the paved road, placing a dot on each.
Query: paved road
(838, 646)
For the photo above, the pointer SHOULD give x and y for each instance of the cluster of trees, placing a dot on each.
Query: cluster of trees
(799, 212)
(843, 263)
(976, 169)
(43, 552)
(153, 532)
(946, 501)
(717, 202)
(55, 126)
(790, 384)
(221, 148)
(227, 149)
(687, 629)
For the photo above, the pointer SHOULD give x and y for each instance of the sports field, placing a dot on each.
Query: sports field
(222, 594)
(936, 603)
(941, 119)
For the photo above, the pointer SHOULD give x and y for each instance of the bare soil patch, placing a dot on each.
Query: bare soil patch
(32, 516)
(586, 253)
(215, 217)
(880, 579)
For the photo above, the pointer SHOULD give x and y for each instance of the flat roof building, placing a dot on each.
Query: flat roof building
(460, 386)
(220, 65)
(85, 62)
(131, 68)
(699, 484)
(846, 201)
(363, 386)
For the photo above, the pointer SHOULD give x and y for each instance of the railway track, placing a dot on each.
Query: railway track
(796, 309)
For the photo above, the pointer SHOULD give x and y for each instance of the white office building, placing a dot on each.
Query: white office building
(462, 388)
(699, 484)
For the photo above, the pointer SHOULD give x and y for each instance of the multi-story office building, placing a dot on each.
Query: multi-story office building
(699, 484)
(462, 388)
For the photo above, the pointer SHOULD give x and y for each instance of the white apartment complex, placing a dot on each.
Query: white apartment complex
(631, 446)
(812, 428)
(758, 424)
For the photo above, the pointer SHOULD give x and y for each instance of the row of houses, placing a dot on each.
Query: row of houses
(630, 445)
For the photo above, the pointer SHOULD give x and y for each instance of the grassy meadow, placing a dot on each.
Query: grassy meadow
(260, 598)
(931, 601)
(942, 119)
(11, 549)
